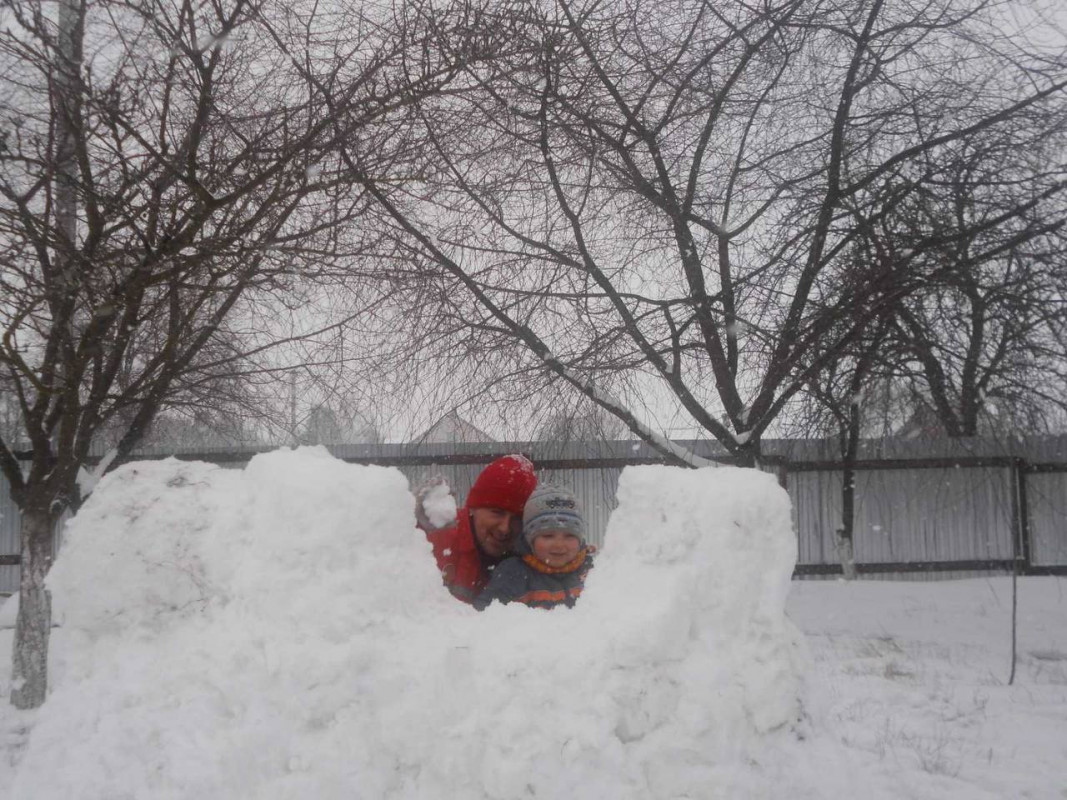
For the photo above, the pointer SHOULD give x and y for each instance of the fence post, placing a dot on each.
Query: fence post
(1021, 534)
(783, 474)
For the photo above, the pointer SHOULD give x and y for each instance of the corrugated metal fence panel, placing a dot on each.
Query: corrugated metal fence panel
(9, 538)
(913, 515)
(934, 515)
(906, 515)
(1047, 503)
(816, 498)
(1048, 448)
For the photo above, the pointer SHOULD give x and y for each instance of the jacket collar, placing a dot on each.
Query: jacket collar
(535, 563)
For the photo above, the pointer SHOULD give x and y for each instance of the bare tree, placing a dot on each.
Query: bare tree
(987, 220)
(983, 339)
(162, 204)
(667, 195)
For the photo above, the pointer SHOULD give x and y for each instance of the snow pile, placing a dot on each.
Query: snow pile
(677, 675)
(281, 632)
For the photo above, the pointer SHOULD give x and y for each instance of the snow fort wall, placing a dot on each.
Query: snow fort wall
(281, 632)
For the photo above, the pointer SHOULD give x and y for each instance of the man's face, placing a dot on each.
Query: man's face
(495, 530)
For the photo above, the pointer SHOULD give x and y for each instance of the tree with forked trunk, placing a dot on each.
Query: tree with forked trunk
(169, 179)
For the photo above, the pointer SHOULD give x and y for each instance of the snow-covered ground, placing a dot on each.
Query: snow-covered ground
(913, 678)
(280, 632)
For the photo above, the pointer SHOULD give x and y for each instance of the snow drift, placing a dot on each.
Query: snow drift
(281, 632)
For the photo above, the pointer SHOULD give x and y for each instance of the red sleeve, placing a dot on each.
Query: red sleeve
(444, 549)
(458, 560)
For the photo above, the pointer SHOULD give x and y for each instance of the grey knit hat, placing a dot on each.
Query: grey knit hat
(552, 508)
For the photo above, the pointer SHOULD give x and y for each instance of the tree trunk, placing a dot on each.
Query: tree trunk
(34, 622)
(749, 454)
(843, 536)
(849, 451)
(68, 118)
(33, 625)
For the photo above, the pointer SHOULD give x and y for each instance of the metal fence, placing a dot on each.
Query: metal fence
(933, 507)
(9, 538)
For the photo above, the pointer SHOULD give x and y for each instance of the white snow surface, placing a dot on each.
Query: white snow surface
(89, 478)
(281, 632)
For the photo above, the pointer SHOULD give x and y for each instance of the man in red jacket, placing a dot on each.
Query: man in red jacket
(486, 526)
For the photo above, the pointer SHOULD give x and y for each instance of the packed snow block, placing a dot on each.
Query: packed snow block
(139, 554)
(281, 632)
(215, 621)
(702, 561)
(677, 674)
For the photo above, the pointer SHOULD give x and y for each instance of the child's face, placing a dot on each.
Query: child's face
(556, 548)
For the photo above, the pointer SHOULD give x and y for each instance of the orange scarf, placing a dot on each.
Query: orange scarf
(535, 563)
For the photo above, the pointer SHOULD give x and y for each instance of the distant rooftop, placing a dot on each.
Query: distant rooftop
(452, 429)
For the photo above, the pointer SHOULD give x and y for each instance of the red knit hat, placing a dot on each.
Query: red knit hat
(506, 483)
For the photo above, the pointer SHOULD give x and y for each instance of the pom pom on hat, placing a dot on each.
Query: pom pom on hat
(506, 483)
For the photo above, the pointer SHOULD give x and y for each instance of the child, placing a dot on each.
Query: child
(552, 572)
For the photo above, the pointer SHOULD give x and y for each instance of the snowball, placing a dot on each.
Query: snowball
(439, 505)
(282, 632)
